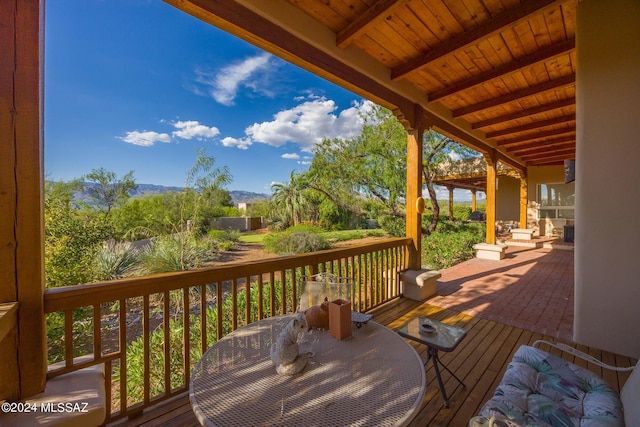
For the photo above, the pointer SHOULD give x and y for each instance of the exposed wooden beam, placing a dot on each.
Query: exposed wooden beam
(531, 126)
(551, 162)
(553, 155)
(236, 19)
(540, 56)
(495, 26)
(563, 81)
(535, 136)
(544, 148)
(552, 143)
(374, 14)
(569, 102)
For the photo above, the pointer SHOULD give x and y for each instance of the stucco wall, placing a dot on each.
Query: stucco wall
(508, 199)
(607, 235)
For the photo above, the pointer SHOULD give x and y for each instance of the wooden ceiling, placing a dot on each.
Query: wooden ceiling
(497, 75)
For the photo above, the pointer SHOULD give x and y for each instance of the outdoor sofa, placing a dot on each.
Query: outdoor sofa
(540, 389)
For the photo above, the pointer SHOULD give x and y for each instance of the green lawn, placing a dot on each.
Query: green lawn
(339, 236)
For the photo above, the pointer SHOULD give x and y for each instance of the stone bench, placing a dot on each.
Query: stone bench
(522, 233)
(489, 251)
(73, 399)
(419, 284)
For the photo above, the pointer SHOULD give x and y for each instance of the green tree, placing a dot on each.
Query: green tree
(370, 166)
(289, 199)
(72, 238)
(107, 191)
(203, 181)
(437, 149)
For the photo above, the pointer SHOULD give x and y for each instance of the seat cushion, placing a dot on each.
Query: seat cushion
(540, 389)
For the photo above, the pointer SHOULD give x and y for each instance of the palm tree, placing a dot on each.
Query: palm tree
(289, 199)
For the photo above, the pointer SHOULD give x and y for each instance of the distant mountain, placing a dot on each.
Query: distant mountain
(238, 196)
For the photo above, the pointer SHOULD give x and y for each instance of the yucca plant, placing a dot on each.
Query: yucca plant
(116, 260)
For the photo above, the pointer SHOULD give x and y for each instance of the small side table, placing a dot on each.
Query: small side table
(443, 338)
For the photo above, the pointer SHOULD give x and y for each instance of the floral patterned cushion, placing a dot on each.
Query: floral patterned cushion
(540, 389)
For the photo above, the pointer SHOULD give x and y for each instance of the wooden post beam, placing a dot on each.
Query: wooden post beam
(491, 160)
(524, 188)
(415, 135)
(23, 359)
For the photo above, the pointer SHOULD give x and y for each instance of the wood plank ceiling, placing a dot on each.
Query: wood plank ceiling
(505, 69)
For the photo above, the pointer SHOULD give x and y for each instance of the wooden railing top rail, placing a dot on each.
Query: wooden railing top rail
(70, 297)
(8, 318)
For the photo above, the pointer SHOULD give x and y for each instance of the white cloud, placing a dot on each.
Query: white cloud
(292, 156)
(146, 138)
(242, 143)
(304, 162)
(193, 129)
(224, 85)
(308, 123)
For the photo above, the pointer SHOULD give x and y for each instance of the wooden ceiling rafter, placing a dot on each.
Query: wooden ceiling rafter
(543, 148)
(540, 109)
(502, 21)
(374, 14)
(546, 142)
(560, 155)
(538, 57)
(537, 136)
(547, 86)
(532, 126)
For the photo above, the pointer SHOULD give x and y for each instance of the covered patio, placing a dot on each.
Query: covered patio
(501, 305)
(528, 84)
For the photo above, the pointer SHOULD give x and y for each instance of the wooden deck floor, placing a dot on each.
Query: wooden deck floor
(480, 361)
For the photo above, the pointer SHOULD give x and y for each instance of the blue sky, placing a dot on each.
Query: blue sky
(139, 85)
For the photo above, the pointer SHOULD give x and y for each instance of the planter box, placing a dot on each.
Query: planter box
(340, 319)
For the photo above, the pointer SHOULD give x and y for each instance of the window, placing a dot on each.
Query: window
(556, 201)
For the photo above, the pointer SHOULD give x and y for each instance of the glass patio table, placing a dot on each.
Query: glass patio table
(374, 378)
(439, 337)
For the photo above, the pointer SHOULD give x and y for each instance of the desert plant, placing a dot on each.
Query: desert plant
(294, 242)
(116, 260)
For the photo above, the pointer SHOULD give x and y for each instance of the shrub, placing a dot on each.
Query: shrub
(394, 226)
(451, 244)
(294, 242)
(176, 253)
(115, 261)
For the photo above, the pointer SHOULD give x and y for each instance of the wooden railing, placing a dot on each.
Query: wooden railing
(150, 331)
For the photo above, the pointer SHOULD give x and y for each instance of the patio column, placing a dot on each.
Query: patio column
(23, 350)
(490, 158)
(415, 133)
(450, 188)
(524, 187)
(473, 200)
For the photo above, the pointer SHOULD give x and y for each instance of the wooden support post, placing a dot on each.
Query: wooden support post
(473, 200)
(450, 188)
(524, 187)
(23, 359)
(415, 133)
(491, 198)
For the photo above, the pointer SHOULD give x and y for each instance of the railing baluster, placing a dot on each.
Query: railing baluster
(68, 338)
(186, 336)
(219, 331)
(234, 304)
(203, 319)
(283, 291)
(166, 317)
(146, 370)
(123, 354)
(260, 298)
(247, 299)
(108, 378)
(97, 335)
(272, 294)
